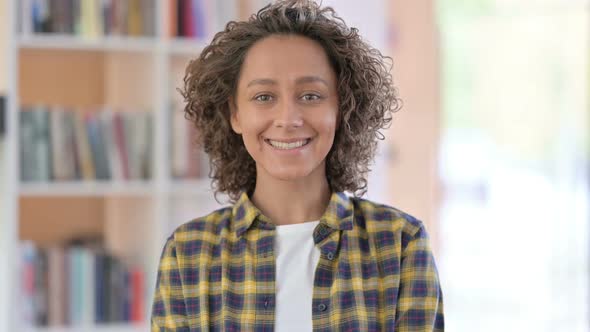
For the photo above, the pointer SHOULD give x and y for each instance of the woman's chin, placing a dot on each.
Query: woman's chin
(292, 172)
(289, 176)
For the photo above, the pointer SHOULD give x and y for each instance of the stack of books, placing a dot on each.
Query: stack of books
(91, 18)
(60, 144)
(79, 285)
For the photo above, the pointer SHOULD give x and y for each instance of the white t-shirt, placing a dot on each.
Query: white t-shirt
(297, 258)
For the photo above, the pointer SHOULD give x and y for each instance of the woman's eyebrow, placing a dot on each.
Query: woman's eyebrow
(261, 81)
(311, 79)
(300, 80)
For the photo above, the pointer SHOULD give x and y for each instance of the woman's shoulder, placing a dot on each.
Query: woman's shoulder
(207, 227)
(376, 217)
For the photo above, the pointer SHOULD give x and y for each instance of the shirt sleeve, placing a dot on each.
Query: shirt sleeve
(420, 300)
(168, 308)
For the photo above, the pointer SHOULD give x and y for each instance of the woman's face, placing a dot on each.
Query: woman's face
(286, 107)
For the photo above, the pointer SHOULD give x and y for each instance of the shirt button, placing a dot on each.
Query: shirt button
(330, 256)
(322, 307)
(266, 303)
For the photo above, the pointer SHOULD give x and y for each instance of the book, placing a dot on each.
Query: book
(57, 285)
(173, 19)
(58, 144)
(145, 143)
(120, 142)
(28, 253)
(41, 286)
(64, 144)
(85, 158)
(97, 147)
(78, 285)
(137, 287)
(41, 157)
(26, 132)
(91, 19)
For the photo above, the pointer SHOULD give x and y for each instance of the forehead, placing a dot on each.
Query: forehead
(286, 57)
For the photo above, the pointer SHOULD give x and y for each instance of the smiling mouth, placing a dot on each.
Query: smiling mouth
(288, 145)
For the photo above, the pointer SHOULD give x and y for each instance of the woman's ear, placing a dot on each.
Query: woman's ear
(233, 116)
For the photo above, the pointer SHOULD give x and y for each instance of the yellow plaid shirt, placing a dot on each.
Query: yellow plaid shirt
(376, 272)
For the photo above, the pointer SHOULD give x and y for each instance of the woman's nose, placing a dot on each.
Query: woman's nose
(288, 115)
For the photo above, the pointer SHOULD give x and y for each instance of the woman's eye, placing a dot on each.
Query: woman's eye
(263, 98)
(310, 97)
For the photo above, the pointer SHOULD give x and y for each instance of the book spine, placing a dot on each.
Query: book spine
(106, 125)
(75, 293)
(131, 141)
(69, 146)
(71, 10)
(27, 294)
(148, 17)
(42, 156)
(196, 19)
(137, 296)
(121, 144)
(126, 298)
(188, 18)
(180, 10)
(87, 269)
(134, 19)
(56, 128)
(26, 145)
(98, 147)
(173, 23)
(148, 157)
(56, 287)
(99, 289)
(106, 16)
(84, 157)
(41, 283)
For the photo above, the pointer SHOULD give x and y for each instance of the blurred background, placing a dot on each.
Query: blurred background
(491, 151)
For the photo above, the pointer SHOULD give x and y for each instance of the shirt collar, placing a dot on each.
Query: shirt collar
(338, 214)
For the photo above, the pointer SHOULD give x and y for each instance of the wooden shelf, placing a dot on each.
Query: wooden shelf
(101, 44)
(118, 327)
(93, 188)
(184, 46)
(114, 188)
(178, 46)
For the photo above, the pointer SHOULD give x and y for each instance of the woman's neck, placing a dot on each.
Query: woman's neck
(291, 202)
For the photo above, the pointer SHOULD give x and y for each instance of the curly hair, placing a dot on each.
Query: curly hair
(366, 95)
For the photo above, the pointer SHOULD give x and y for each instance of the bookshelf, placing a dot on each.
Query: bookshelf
(112, 328)
(84, 72)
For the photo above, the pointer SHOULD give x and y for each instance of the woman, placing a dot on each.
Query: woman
(289, 106)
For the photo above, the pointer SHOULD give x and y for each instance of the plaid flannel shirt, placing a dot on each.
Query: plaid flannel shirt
(376, 272)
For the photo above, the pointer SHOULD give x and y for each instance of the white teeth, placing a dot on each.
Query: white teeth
(288, 146)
